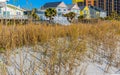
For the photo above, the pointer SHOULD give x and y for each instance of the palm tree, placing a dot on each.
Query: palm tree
(70, 16)
(50, 13)
(34, 15)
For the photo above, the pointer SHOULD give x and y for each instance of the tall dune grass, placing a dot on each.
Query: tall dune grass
(67, 43)
(20, 35)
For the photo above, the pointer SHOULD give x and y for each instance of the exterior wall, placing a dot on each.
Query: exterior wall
(76, 10)
(61, 11)
(92, 13)
(103, 14)
(85, 12)
(41, 14)
(12, 11)
(8, 12)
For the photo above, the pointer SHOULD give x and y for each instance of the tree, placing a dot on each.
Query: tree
(34, 15)
(70, 16)
(50, 13)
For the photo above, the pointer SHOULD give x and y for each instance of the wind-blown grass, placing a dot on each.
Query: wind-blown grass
(21, 35)
(65, 46)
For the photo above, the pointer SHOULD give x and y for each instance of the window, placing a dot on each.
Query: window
(75, 11)
(64, 9)
(59, 14)
(59, 9)
(6, 14)
(18, 13)
(85, 12)
(0, 10)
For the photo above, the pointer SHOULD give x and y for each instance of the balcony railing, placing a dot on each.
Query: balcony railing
(13, 17)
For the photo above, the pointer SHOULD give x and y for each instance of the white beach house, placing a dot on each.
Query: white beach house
(61, 9)
(9, 11)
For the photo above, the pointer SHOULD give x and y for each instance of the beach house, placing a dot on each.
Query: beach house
(61, 9)
(90, 12)
(9, 11)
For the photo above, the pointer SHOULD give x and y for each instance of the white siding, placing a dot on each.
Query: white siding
(12, 12)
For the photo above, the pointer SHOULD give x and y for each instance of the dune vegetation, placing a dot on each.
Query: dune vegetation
(64, 46)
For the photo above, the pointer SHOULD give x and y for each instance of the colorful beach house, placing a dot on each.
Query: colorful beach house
(92, 12)
(88, 12)
(97, 12)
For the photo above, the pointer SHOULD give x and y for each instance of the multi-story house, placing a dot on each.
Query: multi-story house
(97, 12)
(8, 11)
(61, 9)
(89, 12)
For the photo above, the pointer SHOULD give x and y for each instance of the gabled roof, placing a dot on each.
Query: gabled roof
(82, 7)
(51, 4)
(15, 7)
(97, 8)
(70, 6)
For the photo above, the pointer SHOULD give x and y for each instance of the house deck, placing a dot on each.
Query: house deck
(13, 17)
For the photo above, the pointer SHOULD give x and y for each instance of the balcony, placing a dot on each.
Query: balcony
(13, 17)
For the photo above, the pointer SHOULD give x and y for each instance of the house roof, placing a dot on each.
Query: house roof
(93, 7)
(51, 4)
(82, 7)
(97, 8)
(70, 6)
(15, 7)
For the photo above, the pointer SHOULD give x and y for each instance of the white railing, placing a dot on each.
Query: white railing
(61, 20)
(14, 17)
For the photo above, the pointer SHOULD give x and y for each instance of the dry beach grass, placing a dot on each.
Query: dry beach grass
(64, 46)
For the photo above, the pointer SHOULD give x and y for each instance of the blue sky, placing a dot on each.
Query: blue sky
(34, 3)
